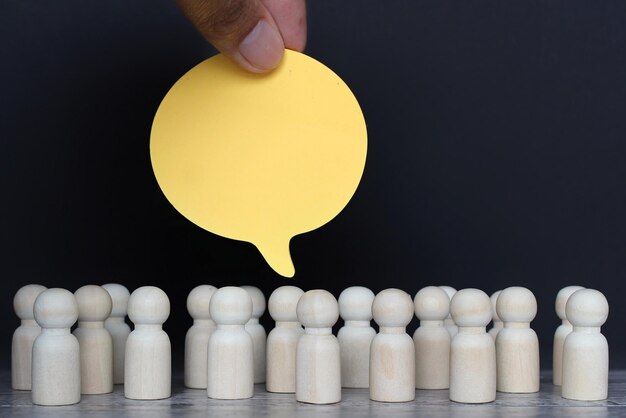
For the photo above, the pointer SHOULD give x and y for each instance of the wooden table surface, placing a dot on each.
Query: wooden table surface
(355, 403)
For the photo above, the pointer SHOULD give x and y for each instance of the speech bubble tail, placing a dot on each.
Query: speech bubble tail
(277, 255)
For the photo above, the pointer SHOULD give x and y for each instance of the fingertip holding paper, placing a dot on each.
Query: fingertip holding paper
(259, 157)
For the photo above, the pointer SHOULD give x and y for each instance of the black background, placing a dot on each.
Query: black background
(497, 140)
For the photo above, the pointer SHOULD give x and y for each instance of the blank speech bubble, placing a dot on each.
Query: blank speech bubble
(259, 157)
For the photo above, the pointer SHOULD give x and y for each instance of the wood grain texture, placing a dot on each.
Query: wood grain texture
(148, 360)
(586, 350)
(561, 332)
(282, 341)
(24, 336)
(230, 364)
(318, 357)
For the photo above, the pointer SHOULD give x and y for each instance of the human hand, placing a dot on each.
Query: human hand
(253, 33)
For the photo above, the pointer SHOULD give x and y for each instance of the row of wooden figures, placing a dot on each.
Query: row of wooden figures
(226, 350)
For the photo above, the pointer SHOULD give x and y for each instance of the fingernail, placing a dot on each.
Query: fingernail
(263, 47)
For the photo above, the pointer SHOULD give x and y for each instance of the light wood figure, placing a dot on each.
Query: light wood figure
(257, 332)
(452, 328)
(118, 328)
(355, 337)
(392, 354)
(56, 353)
(561, 332)
(230, 353)
(24, 336)
(282, 341)
(497, 323)
(473, 352)
(96, 344)
(517, 346)
(431, 339)
(148, 363)
(586, 351)
(318, 358)
(197, 337)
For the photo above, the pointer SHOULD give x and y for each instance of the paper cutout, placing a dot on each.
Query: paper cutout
(259, 158)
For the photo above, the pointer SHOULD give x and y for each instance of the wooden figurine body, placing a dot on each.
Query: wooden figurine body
(586, 351)
(497, 323)
(148, 364)
(230, 352)
(452, 328)
(118, 328)
(561, 332)
(431, 339)
(197, 337)
(257, 332)
(517, 346)
(355, 337)
(318, 358)
(473, 352)
(24, 336)
(392, 354)
(282, 341)
(96, 344)
(56, 353)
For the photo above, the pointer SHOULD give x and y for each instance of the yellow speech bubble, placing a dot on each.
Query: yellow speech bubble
(259, 158)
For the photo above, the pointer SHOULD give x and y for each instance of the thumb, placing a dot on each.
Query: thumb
(244, 30)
